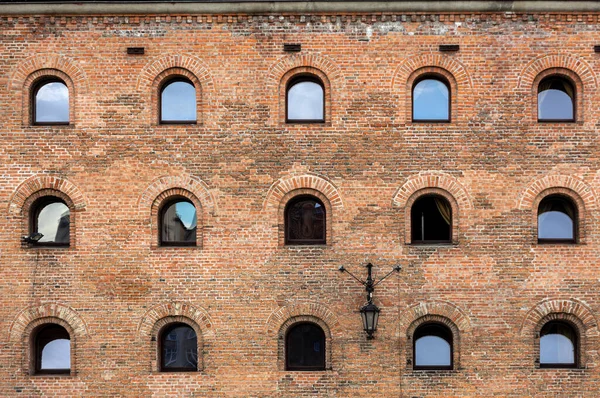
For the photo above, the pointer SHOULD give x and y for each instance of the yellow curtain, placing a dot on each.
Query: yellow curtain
(444, 208)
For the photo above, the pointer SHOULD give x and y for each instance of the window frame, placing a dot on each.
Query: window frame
(299, 78)
(161, 211)
(576, 346)
(289, 368)
(545, 241)
(450, 342)
(41, 82)
(161, 335)
(573, 100)
(449, 241)
(286, 222)
(441, 79)
(37, 350)
(167, 82)
(36, 207)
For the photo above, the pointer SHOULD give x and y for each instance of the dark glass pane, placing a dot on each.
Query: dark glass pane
(431, 100)
(555, 100)
(556, 219)
(52, 103)
(433, 346)
(306, 221)
(178, 102)
(180, 348)
(557, 344)
(53, 222)
(431, 220)
(305, 101)
(305, 347)
(179, 223)
(53, 348)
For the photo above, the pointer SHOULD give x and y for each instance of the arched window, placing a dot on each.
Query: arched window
(178, 348)
(431, 100)
(50, 218)
(52, 349)
(178, 102)
(432, 347)
(305, 347)
(556, 100)
(557, 220)
(50, 102)
(305, 100)
(178, 223)
(431, 220)
(558, 345)
(305, 221)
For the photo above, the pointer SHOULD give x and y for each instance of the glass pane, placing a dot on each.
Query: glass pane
(180, 348)
(56, 355)
(431, 220)
(431, 100)
(179, 222)
(178, 102)
(556, 344)
(555, 225)
(432, 351)
(305, 101)
(306, 222)
(53, 222)
(555, 100)
(52, 103)
(305, 347)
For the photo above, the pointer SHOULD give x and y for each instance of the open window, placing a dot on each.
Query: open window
(305, 221)
(178, 348)
(50, 218)
(431, 100)
(50, 102)
(432, 347)
(431, 220)
(51, 349)
(558, 345)
(556, 100)
(178, 223)
(305, 100)
(557, 220)
(178, 102)
(305, 347)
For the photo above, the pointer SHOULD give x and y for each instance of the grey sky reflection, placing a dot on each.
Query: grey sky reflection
(178, 102)
(554, 104)
(555, 225)
(432, 351)
(57, 355)
(52, 103)
(430, 100)
(556, 348)
(305, 101)
(49, 220)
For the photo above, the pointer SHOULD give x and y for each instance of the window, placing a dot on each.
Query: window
(305, 347)
(52, 350)
(50, 102)
(431, 220)
(557, 217)
(178, 223)
(305, 221)
(432, 347)
(305, 100)
(51, 219)
(558, 345)
(179, 348)
(178, 102)
(431, 100)
(556, 100)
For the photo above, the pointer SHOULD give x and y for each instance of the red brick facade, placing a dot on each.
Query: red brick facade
(241, 287)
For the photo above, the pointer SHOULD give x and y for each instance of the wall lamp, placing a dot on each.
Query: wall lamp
(33, 238)
(370, 312)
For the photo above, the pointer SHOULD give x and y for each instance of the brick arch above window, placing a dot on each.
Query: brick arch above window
(151, 320)
(291, 66)
(29, 72)
(421, 311)
(416, 66)
(442, 181)
(285, 316)
(34, 316)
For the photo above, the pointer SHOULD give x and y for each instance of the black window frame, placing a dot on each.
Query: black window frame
(37, 206)
(441, 79)
(300, 78)
(58, 333)
(34, 92)
(167, 203)
(573, 100)
(315, 368)
(575, 220)
(449, 338)
(163, 86)
(432, 241)
(161, 336)
(287, 222)
(576, 345)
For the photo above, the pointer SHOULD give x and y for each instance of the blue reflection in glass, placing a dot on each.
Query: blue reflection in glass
(432, 351)
(555, 349)
(431, 100)
(56, 355)
(305, 101)
(555, 225)
(52, 103)
(555, 104)
(178, 102)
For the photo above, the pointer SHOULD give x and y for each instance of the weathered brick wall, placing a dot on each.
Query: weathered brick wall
(241, 162)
